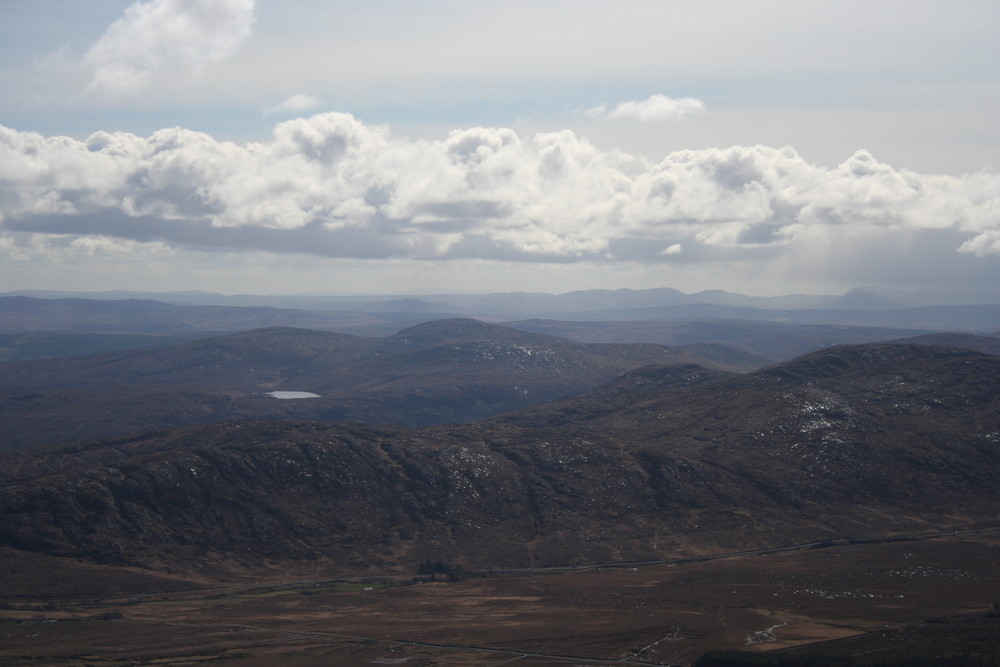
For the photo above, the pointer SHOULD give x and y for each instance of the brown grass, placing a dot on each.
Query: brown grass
(659, 614)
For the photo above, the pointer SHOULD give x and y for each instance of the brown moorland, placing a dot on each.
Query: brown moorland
(916, 598)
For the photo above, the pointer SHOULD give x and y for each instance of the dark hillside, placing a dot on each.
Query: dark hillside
(850, 442)
(222, 361)
(446, 371)
(48, 345)
(984, 344)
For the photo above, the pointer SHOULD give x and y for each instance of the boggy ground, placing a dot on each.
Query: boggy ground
(63, 613)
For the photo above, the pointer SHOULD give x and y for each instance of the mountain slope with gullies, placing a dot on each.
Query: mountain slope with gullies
(444, 371)
(662, 462)
(856, 423)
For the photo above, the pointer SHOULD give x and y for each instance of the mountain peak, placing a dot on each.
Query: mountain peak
(465, 329)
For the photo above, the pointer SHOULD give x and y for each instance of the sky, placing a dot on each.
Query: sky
(392, 147)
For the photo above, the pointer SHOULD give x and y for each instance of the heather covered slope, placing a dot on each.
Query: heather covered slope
(857, 441)
(857, 425)
(984, 344)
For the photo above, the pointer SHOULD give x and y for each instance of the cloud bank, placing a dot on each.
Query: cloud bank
(332, 186)
(162, 40)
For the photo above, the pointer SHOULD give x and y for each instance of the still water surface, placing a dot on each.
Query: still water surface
(291, 394)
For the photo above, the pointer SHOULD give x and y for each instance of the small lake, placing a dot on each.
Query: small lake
(284, 395)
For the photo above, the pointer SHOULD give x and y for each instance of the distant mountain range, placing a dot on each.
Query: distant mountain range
(368, 314)
(774, 328)
(533, 304)
(27, 314)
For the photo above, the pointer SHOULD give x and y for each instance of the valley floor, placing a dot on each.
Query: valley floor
(63, 613)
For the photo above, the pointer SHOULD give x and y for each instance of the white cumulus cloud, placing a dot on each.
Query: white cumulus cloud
(653, 109)
(672, 249)
(987, 243)
(166, 40)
